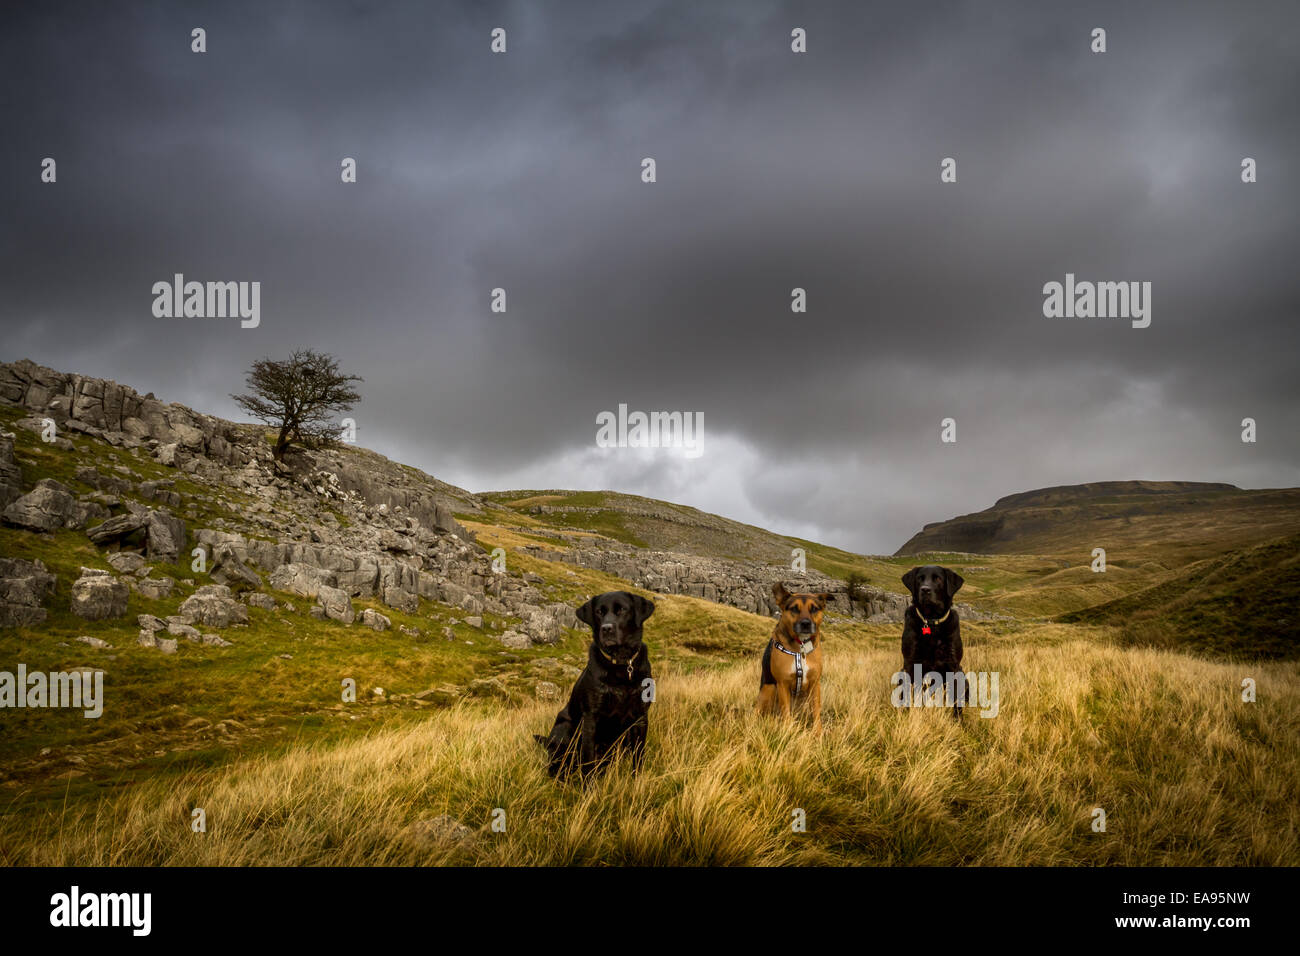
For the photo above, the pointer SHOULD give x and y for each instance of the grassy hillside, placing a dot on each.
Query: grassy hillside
(1245, 603)
(645, 523)
(1186, 773)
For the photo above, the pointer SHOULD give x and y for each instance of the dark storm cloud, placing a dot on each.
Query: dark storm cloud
(775, 171)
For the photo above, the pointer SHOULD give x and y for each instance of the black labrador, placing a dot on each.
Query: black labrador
(931, 629)
(610, 704)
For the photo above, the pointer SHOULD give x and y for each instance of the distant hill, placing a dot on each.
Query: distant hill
(1244, 603)
(665, 526)
(1170, 521)
(647, 523)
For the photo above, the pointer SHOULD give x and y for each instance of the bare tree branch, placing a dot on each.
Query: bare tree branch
(299, 396)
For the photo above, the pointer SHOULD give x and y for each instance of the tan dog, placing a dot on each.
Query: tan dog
(792, 661)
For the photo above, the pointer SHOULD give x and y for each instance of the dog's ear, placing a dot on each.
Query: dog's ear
(823, 599)
(586, 612)
(642, 608)
(953, 580)
(781, 594)
(909, 581)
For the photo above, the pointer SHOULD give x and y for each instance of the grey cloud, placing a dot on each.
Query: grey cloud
(775, 171)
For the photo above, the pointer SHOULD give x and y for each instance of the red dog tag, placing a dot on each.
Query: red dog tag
(926, 629)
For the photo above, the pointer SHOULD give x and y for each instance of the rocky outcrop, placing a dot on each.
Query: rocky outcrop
(226, 568)
(50, 506)
(155, 588)
(215, 606)
(116, 413)
(117, 528)
(11, 476)
(126, 562)
(162, 533)
(374, 619)
(24, 587)
(97, 595)
(382, 483)
(336, 604)
(332, 525)
(734, 583)
(164, 536)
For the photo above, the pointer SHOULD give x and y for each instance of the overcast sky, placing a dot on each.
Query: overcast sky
(775, 170)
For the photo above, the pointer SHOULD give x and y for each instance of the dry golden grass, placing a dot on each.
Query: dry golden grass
(1186, 772)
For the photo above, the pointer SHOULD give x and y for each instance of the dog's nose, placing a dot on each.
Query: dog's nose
(607, 628)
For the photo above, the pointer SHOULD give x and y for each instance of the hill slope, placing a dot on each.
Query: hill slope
(1171, 522)
(1245, 603)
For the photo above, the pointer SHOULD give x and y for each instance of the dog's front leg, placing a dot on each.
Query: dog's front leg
(907, 685)
(958, 698)
(587, 744)
(638, 733)
(815, 700)
(783, 701)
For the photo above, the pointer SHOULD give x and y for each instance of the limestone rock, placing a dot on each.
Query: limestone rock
(126, 562)
(49, 506)
(11, 478)
(515, 641)
(164, 536)
(374, 619)
(99, 596)
(228, 569)
(488, 687)
(24, 586)
(214, 606)
(301, 579)
(155, 588)
(442, 694)
(114, 529)
(336, 603)
(178, 628)
(401, 600)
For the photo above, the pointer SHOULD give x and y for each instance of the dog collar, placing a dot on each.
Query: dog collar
(799, 663)
(630, 661)
(927, 623)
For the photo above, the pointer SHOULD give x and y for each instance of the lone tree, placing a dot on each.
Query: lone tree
(854, 581)
(300, 397)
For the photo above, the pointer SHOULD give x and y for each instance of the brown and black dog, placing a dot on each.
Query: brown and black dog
(792, 660)
(931, 629)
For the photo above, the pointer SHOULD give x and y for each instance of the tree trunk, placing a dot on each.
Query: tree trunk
(281, 443)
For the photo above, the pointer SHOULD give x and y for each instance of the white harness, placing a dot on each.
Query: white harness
(800, 662)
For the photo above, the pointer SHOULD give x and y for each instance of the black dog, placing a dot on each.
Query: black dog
(610, 703)
(931, 630)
